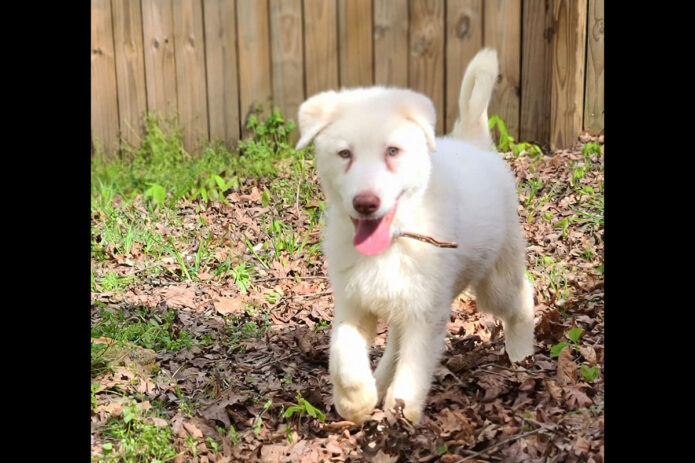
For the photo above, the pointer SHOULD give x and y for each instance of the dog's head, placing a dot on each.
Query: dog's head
(372, 155)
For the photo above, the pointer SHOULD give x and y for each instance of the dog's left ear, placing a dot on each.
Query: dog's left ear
(314, 115)
(420, 109)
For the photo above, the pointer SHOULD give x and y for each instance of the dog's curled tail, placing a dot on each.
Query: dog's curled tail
(476, 91)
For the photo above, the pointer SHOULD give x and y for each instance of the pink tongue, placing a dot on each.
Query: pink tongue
(372, 237)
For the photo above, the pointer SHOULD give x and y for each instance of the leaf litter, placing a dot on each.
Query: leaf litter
(260, 332)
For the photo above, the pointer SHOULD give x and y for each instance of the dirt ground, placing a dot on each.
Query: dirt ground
(256, 348)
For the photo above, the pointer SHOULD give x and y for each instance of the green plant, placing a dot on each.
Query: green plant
(242, 276)
(573, 334)
(591, 149)
(303, 407)
(137, 439)
(506, 142)
(259, 418)
(144, 328)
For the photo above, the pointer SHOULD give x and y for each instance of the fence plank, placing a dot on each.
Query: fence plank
(593, 97)
(130, 68)
(391, 42)
(287, 55)
(426, 44)
(567, 99)
(221, 70)
(104, 121)
(189, 49)
(320, 45)
(464, 38)
(160, 61)
(536, 72)
(254, 57)
(355, 42)
(502, 31)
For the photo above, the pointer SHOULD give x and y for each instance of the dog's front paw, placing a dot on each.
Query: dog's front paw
(413, 407)
(355, 402)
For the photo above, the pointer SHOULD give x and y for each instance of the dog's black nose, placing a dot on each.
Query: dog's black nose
(366, 203)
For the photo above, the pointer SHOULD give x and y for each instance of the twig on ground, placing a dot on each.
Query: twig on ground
(323, 293)
(511, 439)
(261, 280)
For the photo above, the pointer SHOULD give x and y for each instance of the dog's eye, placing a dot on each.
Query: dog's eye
(393, 151)
(345, 154)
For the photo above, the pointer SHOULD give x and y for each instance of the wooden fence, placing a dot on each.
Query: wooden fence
(211, 61)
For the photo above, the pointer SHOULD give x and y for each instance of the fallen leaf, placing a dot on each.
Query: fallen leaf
(180, 296)
(566, 367)
(227, 305)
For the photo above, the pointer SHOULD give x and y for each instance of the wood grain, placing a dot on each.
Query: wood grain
(320, 45)
(536, 72)
(502, 31)
(594, 93)
(130, 69)
(355, 42)
(464, 38)
(426, 49)
(189, 49)
(160, 59)
(222, 70)
(104, 102)
(567, 97)
(255, 85)
(391, 42)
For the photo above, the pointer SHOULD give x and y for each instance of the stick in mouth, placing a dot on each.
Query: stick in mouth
(429, 239)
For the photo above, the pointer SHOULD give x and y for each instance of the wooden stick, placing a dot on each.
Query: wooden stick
(429, 239)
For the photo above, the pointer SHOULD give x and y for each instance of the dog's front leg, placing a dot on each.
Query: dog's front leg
(420, 347)
(354, 388)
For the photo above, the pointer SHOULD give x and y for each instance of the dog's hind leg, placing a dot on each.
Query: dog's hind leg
(507, 293)
(354, 388)
(387, 365)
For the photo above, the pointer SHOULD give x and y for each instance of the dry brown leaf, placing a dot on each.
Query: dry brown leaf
(180, 296)
(566, 367)
(588, 353)
(227, 305)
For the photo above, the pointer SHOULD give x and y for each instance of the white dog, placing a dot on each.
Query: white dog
(384, 173)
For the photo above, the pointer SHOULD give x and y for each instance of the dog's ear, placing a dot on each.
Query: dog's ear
(420, 109)
(314, 115)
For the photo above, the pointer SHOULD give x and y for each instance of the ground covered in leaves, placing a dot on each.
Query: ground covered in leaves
(211, 317)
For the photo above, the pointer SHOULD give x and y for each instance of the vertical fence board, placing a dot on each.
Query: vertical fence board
(130, 68)
(426, 49)
(189, 48)
(104, 120)
(464, 38)
(160, 61)
(502, 31)
(569, 47)
(221, 70)
(320, 45)
(254, 57)
(391, 42)
(593, 96)
(355, 42)
(209, 62)
(287, 57)
(536, 72)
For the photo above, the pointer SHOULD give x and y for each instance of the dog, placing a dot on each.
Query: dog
(384, 173)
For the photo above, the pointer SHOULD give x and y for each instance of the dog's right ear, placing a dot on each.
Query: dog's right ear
(314, 115)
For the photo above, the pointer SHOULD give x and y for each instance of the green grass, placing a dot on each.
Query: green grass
(144, 328)
(134, 438)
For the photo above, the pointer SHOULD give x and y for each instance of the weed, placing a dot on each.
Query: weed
(573, 334)
(303, 407)
(259, 418)
(143, 328)
(137, 438)
(506, 142)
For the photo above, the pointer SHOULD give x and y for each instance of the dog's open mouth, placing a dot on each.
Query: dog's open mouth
(372, 237)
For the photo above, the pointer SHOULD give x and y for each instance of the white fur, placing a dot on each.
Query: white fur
(458, 192)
